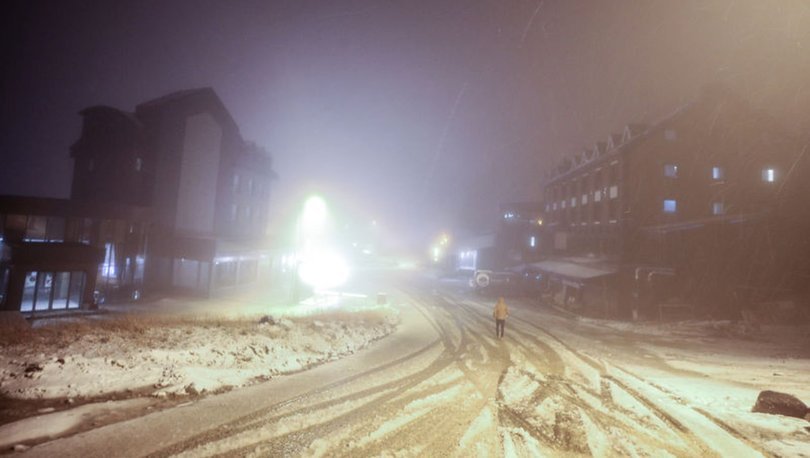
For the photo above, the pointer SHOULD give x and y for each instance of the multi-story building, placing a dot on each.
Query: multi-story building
(177, 174)
(704, 207)
(58, 253)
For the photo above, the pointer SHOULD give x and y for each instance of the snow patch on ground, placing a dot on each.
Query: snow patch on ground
(175, 355)
(484, 422)
(521, 387)
(56, 423)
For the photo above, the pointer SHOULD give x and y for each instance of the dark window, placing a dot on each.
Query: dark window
(36, 229)
(56, 229)
(4, 274)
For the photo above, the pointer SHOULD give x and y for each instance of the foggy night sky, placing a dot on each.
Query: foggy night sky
(421, 114)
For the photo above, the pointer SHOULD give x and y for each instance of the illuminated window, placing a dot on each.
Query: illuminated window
(769, 175)
(532, 241)
(718, 208)
(670, 205)
(584, 199)
(718, 173)
(108, 268)
(671, 170)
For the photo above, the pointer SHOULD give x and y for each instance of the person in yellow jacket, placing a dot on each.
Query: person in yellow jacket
(500, 313)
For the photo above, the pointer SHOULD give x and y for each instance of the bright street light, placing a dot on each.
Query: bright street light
(321, 266)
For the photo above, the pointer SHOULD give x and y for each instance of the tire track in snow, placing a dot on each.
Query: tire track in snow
(450, 356)
(687, 433)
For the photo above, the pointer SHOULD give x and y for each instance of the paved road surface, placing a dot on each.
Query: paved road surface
(442, 385)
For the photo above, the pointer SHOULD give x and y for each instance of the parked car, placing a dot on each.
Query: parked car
(499, 282)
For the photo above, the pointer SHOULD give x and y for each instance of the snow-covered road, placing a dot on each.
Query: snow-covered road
(442, 385)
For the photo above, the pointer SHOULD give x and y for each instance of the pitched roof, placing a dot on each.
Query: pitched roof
(105, 110)
(174, 97)
(189, 98)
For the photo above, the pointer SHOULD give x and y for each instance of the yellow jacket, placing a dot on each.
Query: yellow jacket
(501, 310)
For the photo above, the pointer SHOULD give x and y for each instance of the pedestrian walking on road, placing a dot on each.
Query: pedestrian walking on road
(500, 313)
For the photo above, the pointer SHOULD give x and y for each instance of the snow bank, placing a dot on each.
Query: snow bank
(177, 355)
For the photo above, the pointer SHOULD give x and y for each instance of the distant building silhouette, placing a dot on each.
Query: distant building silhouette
(171, 195)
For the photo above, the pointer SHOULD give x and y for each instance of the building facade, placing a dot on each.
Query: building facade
(171, 194)
(703, 208)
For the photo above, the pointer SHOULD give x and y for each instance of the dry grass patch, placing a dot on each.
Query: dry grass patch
(142, 325)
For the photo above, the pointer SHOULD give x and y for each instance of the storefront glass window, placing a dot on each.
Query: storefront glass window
(76, 289)
(42, 295)
(61, 290)
(29, 287)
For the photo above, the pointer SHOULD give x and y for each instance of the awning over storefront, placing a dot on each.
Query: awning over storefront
(226, 250)
(572, 270)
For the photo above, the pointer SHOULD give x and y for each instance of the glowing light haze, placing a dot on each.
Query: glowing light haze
(320, 263)
(422, 114)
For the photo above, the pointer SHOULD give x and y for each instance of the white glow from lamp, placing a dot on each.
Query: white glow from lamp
(318, 265)
(323, 269)
(313, 220)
